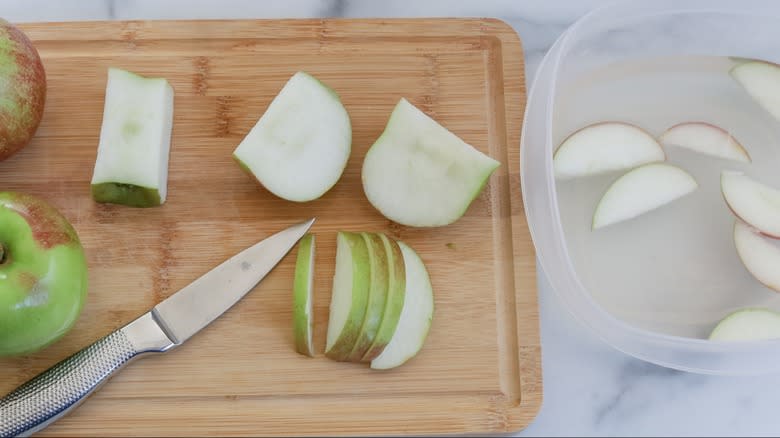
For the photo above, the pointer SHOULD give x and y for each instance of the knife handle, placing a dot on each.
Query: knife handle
(55, 392)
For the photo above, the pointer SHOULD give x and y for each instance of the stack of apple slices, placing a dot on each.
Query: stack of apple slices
(381, 304)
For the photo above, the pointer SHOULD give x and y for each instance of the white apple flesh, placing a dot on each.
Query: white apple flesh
(706, 139)
(641, 190)
(753, 324)
(755, 203)
(761, 80)
(605, 147)
(760, 256)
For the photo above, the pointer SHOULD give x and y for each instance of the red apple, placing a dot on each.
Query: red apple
(22, 89)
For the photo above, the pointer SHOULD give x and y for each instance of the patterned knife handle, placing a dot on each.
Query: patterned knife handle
(58, 390)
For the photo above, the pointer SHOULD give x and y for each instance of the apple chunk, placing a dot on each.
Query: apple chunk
(760, 256)
(761, 80)
(757, 204)
(303, 316)
(707, 139)
(752, 324)
(605, 147)
(640, 190)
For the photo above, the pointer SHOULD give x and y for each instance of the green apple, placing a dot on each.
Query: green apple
(303, 316)
(132, 158)
(43, 274)
(396, 291)
(22, 89)
(749, 324)
(349, 296)
(305, 132)
(377, 296)
(419, 174)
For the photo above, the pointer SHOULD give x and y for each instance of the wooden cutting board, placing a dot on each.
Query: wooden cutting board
(479, 370)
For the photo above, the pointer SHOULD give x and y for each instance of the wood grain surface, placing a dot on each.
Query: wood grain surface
(479, 370)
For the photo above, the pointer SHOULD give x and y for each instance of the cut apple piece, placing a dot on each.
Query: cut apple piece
(641, 190)
(707, 139)
(761, 80)
(416, 315)
(605, 147)
(300, 146)
(396, 291)
(420, 174)
(753, 324)
(349, 297)
(377, 296)
(757, 204)
(760, 256)
(303, 316)
(132, 158)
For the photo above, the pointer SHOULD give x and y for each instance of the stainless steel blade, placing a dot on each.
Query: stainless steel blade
(189, 310)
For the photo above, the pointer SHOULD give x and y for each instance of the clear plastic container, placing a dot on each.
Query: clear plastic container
(654, 63)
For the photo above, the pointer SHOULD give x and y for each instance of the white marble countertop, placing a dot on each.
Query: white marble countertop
(589, 388)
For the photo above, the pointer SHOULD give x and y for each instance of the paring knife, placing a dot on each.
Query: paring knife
(55, 392)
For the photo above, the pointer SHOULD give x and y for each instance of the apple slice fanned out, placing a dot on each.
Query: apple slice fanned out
(752, 324)
(605, 147)
(705, 138)
(349, 297)
(640, 190)
(756, 203)
(760, 256)
(303, 316)
(761, 80)
(416, 314)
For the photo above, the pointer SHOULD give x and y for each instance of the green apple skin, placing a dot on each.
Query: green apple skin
(126, 194)
(43, 274)
(377, 296)
(22, 89)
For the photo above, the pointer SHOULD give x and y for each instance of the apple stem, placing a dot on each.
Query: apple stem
(2, 254)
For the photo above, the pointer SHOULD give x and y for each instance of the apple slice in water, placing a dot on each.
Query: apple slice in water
(396, 291)
(605, 147)
(416, 315)
(132, 158)
(752, 324)
(761, 80)
(349, 297)
(377, 296)
(299, 148)
(420, 174)
(303, 316)
(760, 256)
(707, 139)
(755, 203)
(640, 190)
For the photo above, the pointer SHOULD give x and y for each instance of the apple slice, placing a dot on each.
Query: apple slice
(707, 139)
(303, 316)
(605, 147)
(377, 296)
(419, 174)
(755, 203)
(760, 257)
(416, 314)
(761, 80)
(640, 190)
(135, 138)
(396, 292)
(349, 297)
(300, 146)
(752, 324)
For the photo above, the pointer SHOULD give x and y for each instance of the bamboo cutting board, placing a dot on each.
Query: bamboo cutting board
(479, 370)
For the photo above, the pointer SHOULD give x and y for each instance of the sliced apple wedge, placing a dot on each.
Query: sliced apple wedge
(416, 314)
(605, 147)
(303, 316)
(377, 296)
(396, 292)
(752, 324)
(760, 256)
(705, 138)
(761, 80)
(349, 298)
(756, 203)
(640, 190)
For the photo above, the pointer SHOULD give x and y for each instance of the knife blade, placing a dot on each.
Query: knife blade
(57, 391)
